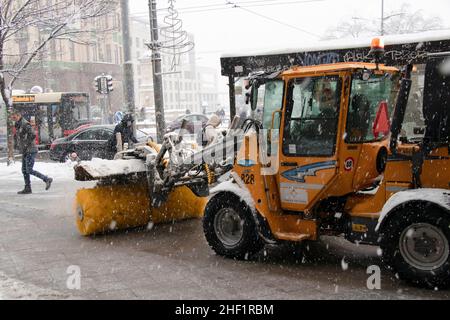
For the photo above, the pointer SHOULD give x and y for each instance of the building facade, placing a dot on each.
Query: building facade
(72, 64)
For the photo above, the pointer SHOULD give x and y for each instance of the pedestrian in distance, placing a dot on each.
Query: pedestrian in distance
(25, 137)
(125, 128)
(208, 135)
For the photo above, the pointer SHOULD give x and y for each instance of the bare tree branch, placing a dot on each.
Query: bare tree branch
(404, 20)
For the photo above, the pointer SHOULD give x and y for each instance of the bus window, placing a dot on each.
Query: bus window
(80, 111)
(55, 120)
(42, 124)
(80, 108)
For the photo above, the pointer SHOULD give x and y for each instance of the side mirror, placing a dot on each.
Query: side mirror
(254, 95)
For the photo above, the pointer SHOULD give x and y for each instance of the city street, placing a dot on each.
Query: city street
(39, 243)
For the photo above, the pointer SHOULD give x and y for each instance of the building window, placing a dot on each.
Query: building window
(108, 53)
(23, 47)
(94, 53)
(118, 21)
(116, 55)
(61, 51)
(72, 51)
(101, 57)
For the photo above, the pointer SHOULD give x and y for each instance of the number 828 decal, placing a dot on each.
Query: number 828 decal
(248, 178)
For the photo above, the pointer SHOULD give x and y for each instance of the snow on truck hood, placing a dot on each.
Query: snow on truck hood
(440, 197)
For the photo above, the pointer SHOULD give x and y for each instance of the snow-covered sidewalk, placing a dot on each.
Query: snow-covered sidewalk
(58, 171)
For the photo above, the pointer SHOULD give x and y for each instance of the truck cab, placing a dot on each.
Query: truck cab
(325, 132)
(325, 159)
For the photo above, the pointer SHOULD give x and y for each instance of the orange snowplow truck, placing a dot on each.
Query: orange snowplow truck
(326, 159)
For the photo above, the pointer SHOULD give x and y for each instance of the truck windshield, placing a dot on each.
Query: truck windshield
(366, 100)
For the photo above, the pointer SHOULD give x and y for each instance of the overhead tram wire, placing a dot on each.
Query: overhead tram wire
(222, 6)
(187, 10)
(233, 5)
(273, 20)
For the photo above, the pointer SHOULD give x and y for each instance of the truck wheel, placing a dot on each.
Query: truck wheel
(416, 245)
(229, 227)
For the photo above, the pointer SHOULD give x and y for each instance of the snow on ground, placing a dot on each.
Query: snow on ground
(58, 171)
(13, 289)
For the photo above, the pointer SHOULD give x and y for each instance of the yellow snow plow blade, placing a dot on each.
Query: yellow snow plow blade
(114, 207)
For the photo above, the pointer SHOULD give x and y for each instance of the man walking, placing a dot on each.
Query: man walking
(25, 138)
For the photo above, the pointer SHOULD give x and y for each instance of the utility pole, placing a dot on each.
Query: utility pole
(382, 17)
(157, 76)
(128, 83)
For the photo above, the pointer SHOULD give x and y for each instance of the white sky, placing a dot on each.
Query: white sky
(234, 29)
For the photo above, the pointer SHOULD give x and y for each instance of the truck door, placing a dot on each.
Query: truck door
(308, 161)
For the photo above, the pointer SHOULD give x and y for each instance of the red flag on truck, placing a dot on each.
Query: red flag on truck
(381, 125)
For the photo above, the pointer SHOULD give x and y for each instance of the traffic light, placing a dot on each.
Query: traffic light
(103, 84)
(98, 85)
(109, 81)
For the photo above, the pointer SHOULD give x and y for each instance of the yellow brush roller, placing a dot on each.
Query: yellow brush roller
(113, 207)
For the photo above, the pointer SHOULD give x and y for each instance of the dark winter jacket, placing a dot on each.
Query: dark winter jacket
(127, 136)
(25, 137)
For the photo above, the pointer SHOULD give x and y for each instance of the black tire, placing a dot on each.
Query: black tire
(395, 232)
(249, 241)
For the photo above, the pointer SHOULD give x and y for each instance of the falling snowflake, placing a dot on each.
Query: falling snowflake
(112, 225)
(379, 252)
(344, 264)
